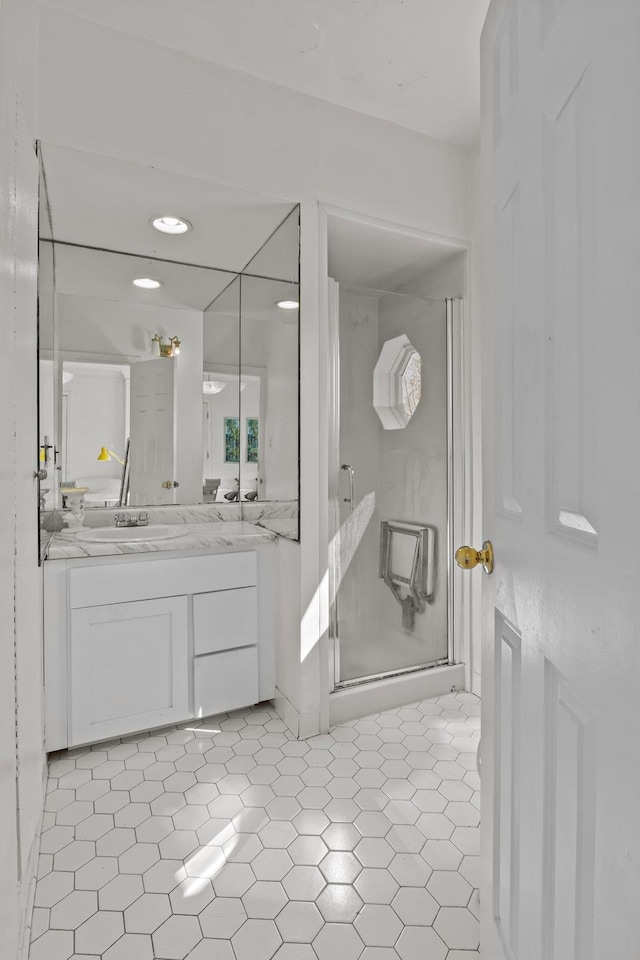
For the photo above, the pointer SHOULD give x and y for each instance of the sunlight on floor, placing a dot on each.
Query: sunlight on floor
(233, 841)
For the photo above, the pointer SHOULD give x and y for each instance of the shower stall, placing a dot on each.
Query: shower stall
(394, 363)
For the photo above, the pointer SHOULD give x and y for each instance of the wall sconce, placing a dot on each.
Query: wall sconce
(170, 349)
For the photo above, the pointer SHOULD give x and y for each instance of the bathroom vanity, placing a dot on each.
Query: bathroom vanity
(137, 641)
(168, 463)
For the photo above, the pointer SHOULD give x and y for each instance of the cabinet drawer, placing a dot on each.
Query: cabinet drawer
(225, 681)
(122, 581)
(225, 619)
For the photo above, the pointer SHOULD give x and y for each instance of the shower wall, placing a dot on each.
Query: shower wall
(399, 475)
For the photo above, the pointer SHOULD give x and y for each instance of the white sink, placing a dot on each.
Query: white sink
(155, 531)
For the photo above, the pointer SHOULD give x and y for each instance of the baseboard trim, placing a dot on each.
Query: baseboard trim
(359, 701)
(29, 880)
(301, 725)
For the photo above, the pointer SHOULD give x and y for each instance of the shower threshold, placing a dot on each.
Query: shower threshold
(359, 698)
(390, 674)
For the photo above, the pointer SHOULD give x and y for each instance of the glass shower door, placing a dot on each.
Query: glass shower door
(391, 450)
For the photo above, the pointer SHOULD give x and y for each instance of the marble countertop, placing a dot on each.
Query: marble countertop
(286, 527)
(198, 536)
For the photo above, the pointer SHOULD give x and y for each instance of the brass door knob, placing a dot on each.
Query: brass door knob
(169, 484)
(468, 558)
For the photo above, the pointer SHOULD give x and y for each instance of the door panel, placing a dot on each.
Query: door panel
(561, 153)
(507, 693)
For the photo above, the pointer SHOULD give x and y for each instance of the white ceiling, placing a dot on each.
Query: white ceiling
(413, 62)
(378, 259)
(260, 298)
(84, 272)
(102, 202)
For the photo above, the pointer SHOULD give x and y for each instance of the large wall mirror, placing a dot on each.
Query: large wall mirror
(169, 362)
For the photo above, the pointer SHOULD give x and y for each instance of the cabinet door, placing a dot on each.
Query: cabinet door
(129, 668)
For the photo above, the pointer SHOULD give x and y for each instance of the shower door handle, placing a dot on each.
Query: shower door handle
(349, 499)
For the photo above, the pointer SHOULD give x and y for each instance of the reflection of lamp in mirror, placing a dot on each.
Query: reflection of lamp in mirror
(106, 454)
(287, 304)
(170, 349)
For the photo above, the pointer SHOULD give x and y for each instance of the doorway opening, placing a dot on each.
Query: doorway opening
(395, 462)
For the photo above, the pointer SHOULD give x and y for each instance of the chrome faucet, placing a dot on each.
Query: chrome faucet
(129, 520)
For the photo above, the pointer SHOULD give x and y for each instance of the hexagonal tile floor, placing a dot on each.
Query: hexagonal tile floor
(226, 839)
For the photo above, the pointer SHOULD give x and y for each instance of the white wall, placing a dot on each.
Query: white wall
(96, 417)
(21, 725)
(333, 155)
(123, 331)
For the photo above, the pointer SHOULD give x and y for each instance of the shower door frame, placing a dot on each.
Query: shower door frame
(458, 525)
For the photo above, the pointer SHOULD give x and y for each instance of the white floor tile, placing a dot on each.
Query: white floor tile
(147, 913)
(97, 933)
(226, 839)
(73, 910)
(458, 928)
(378, 926)
(415, 907)
(299, 922)
(338, 940)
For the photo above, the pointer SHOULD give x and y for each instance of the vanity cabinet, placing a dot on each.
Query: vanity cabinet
(134, 643)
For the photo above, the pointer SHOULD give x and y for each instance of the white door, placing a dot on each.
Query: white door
(129, 668)
(561, 476)
(153, 432)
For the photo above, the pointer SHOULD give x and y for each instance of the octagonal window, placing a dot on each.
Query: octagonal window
(397, 383)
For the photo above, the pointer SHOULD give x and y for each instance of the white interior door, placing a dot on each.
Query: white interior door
(561, 658)
(153, 432)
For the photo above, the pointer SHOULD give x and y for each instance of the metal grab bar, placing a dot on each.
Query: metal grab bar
(349, 499)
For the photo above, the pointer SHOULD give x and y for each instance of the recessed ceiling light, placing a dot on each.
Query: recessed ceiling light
(147, 283)
(173, 225)
(287, 304)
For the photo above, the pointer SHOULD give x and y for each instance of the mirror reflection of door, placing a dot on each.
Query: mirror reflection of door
(153, 432)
